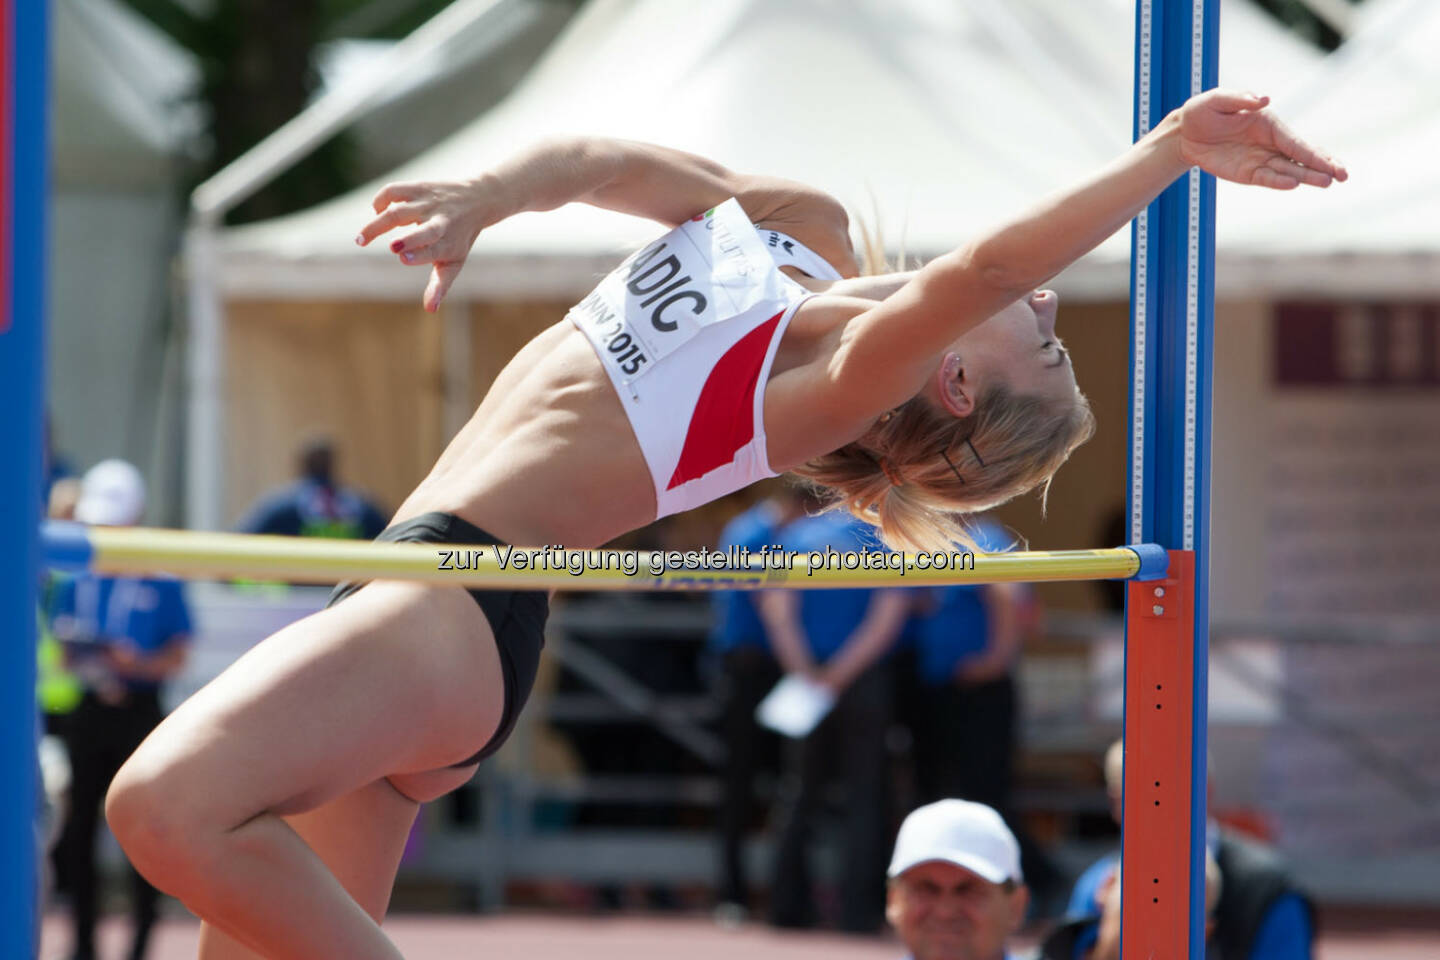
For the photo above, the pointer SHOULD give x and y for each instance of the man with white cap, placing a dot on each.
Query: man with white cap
(956, 892)
(123, 637)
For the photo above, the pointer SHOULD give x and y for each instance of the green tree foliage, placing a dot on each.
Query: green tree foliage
(1298, 16)
(258, 70)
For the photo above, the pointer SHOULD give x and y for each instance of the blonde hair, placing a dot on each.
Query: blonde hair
(874, 261)
(919, 469)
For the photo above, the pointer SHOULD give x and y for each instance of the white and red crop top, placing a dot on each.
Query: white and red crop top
(687, 329)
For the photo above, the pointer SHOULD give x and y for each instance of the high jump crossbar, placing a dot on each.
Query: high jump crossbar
(198, 555)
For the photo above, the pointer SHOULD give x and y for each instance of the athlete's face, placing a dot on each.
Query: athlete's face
(1017, 347)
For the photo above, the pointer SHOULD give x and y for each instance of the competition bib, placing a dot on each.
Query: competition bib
(705, 271)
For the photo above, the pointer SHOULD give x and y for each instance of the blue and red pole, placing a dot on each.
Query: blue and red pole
(1167, 625)
(23, 54)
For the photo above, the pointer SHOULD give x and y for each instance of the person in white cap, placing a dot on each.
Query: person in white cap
(956, 891)
(123, 637)
(112, 494)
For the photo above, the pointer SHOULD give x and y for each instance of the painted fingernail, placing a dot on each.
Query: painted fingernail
(397, 246)
(360, 240)
(408, 257)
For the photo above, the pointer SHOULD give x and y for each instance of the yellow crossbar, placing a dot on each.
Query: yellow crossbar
(197, 555)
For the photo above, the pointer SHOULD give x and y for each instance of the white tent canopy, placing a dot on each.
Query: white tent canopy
(473, 68)
(123, 128)
(941, 116)
(120, 86)
(1376, 106)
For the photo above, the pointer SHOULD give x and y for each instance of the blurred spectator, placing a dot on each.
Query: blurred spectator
(315, 505)
(838, 639)
(64, 494)
(1114, 532)
(56, 465)
(1097, 937)
(57, 693)
(747, 671)
(966, 645)
(956, 888)
(123, 637)
(1261, 914)
(965, 715)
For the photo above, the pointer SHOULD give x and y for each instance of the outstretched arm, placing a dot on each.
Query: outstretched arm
(636, 178)
(886, 353)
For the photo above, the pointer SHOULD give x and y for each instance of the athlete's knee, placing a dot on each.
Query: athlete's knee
(160, 823)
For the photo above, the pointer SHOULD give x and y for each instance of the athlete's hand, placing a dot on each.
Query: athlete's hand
(1234, 137)
(447, 217)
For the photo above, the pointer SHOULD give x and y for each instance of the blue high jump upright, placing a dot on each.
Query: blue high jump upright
(23, 46)
(1167, 623)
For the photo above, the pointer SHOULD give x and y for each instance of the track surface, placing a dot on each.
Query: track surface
(548, 937)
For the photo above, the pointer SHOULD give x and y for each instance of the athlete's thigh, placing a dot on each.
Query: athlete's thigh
(396, 679)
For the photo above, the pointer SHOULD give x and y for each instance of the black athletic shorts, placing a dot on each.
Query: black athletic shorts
(517, 617)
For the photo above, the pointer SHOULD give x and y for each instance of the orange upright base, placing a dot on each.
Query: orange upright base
(1159, 689)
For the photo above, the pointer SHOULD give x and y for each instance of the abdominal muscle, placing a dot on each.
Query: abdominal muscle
(550, 457)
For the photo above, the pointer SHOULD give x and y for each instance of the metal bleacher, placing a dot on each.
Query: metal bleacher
(635, 805)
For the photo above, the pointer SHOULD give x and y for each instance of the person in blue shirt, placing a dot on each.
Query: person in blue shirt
(965, 716)
(1097, 937)
(837, 639)
(122, 637)
(747, 671)
(966, 644)
(1260, 913)
(315, 505)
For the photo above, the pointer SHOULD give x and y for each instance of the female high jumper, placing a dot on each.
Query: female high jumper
(276, 801)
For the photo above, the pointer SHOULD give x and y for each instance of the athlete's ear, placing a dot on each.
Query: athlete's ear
(956, 392)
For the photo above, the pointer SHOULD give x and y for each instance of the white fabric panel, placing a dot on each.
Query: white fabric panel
(943, 116)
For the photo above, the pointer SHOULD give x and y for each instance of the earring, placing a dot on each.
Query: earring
(887, 416)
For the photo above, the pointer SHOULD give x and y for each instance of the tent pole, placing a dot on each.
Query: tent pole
(205, 421)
